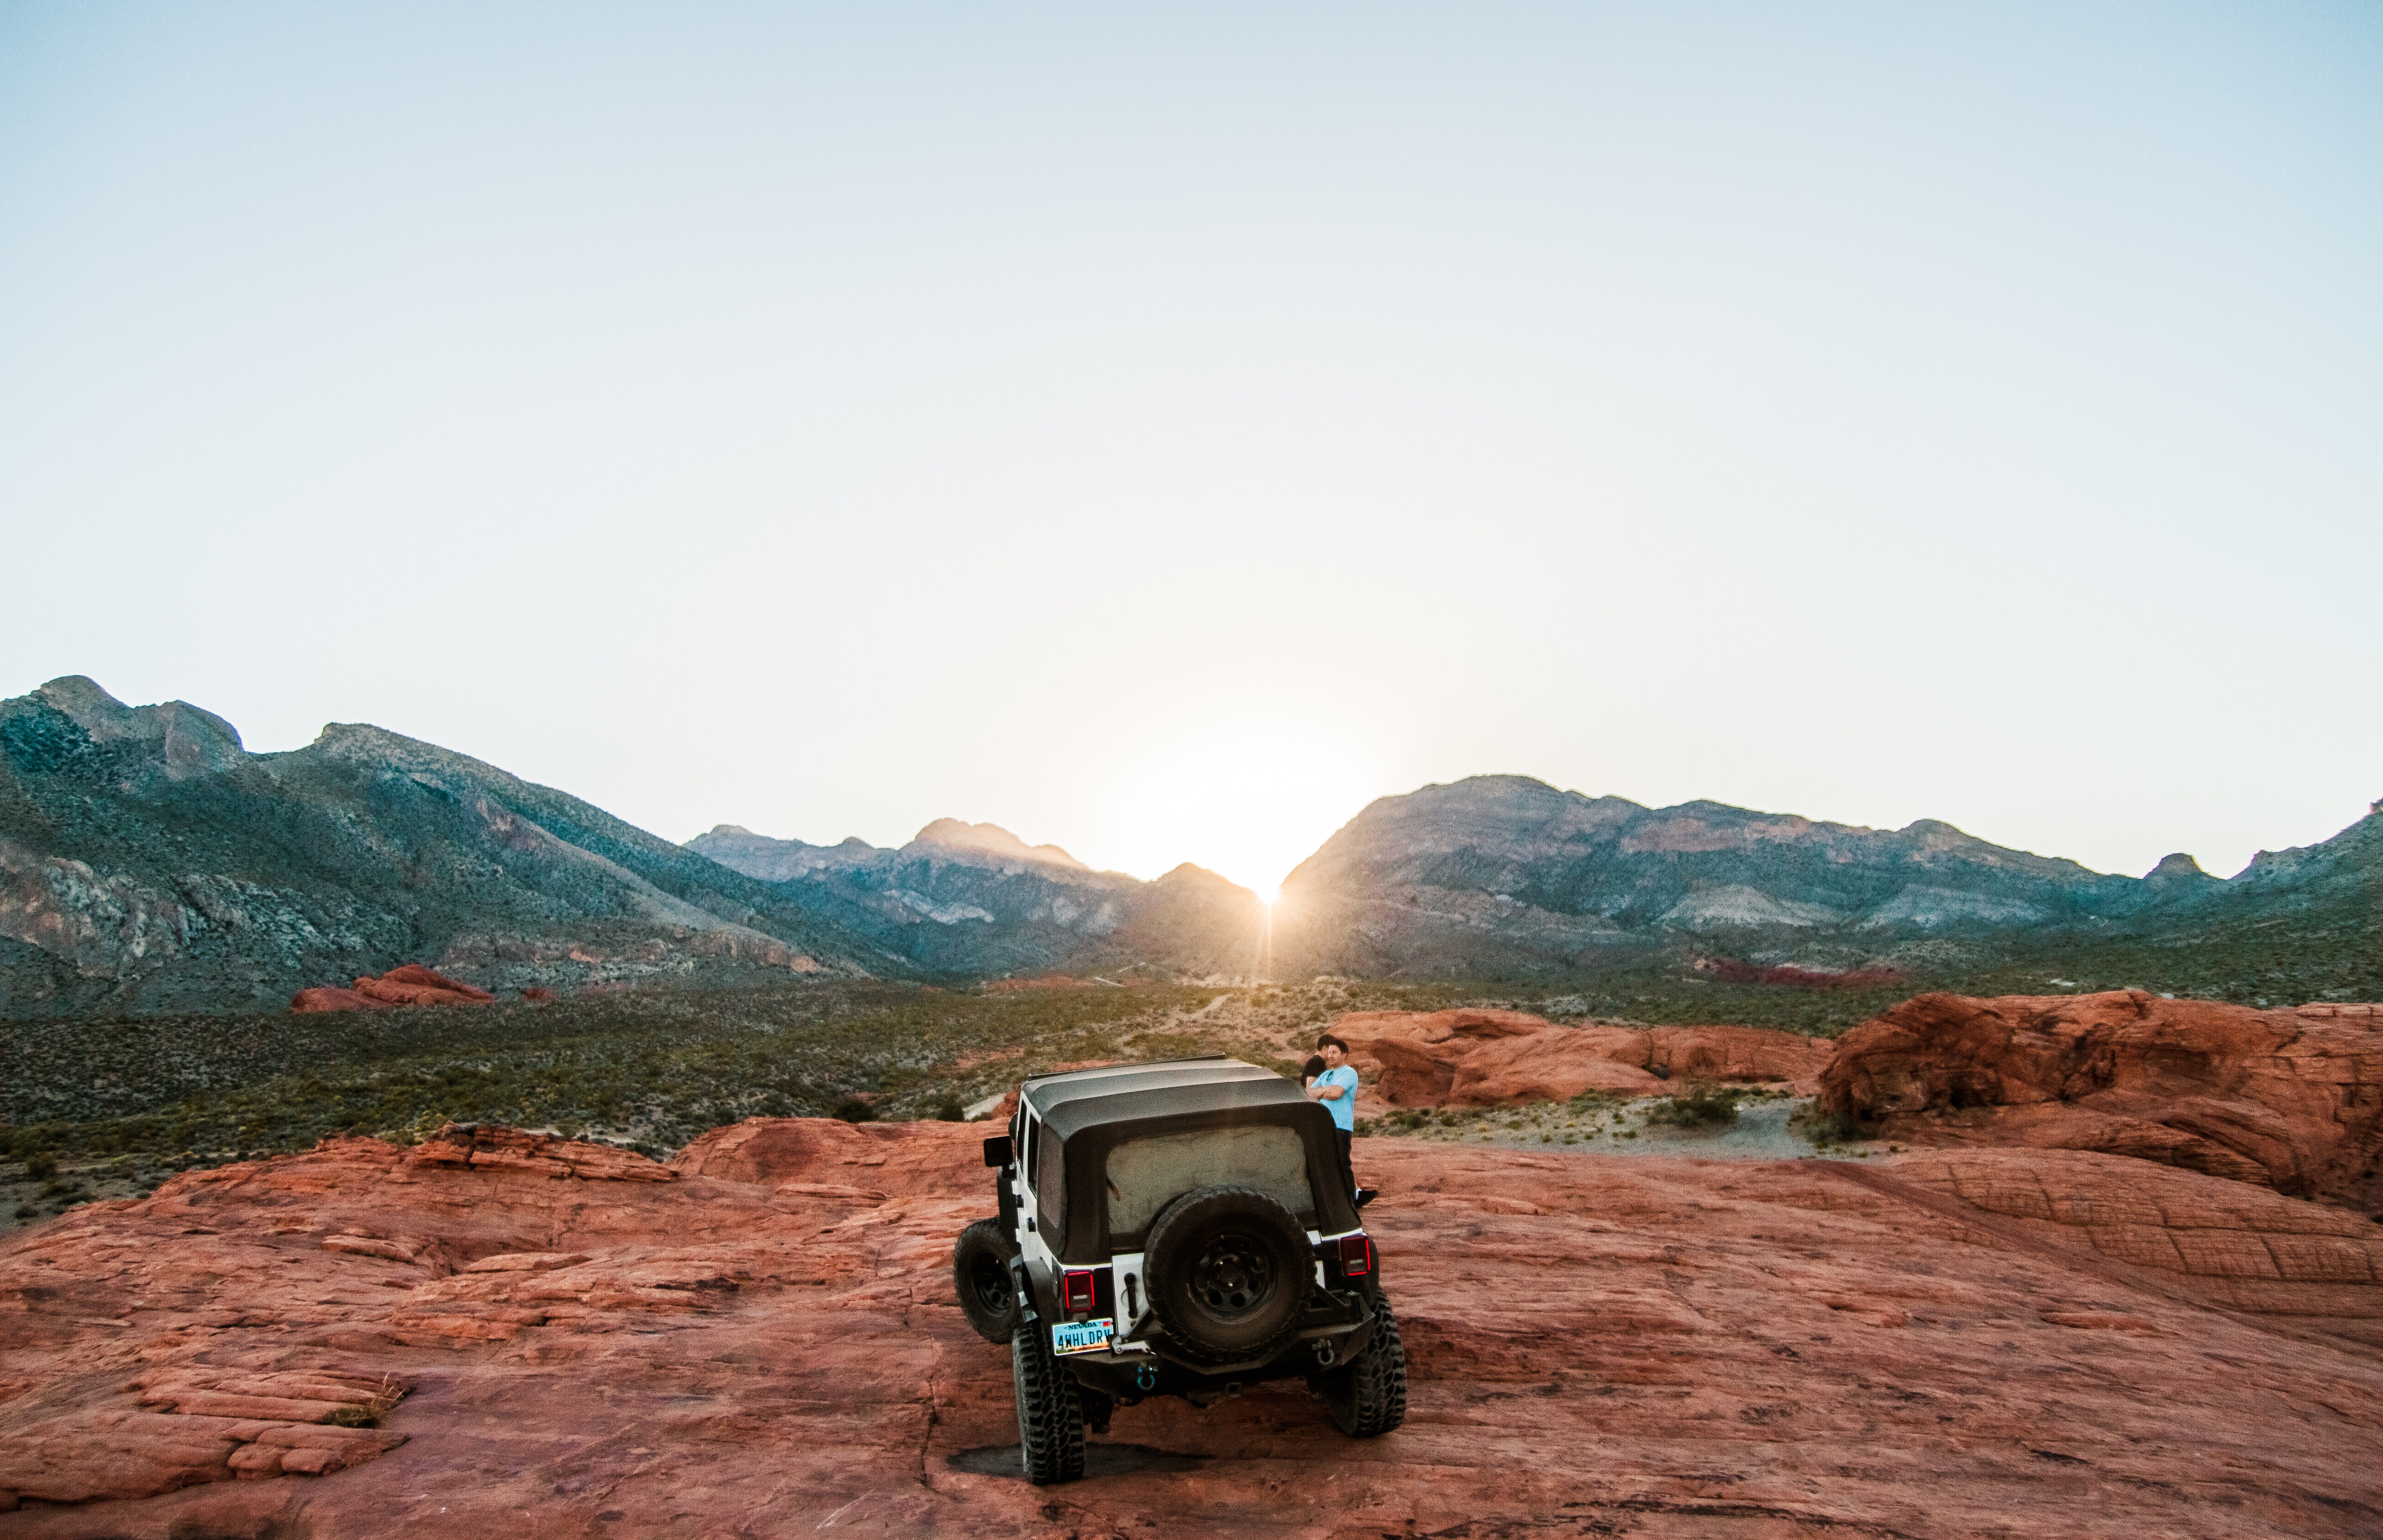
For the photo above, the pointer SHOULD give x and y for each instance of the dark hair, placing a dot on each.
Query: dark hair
(1312, 1068)
(1328, 1040)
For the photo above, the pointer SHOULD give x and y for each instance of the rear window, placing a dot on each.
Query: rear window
(1145, 1174)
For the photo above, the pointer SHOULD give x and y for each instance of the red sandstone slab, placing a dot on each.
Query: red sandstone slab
(1645, 1346)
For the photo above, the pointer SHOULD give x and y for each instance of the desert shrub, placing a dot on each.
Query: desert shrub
(852, 1109)
(1699, 1106)
(1826, 1128)
(40, 1167)
(949, 1110)
(1159, 1046)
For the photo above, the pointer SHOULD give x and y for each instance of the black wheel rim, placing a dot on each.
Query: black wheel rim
(1234, 1275)
(991, 1281)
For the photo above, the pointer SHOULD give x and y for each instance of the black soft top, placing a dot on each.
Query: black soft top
(1135, 1093)
(1090, 1111)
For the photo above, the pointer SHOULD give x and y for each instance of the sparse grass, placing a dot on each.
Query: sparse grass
(2323, 954)
(648, 1070)
(115, 1105)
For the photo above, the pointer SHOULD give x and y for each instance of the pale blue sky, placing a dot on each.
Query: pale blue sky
(1160, 431)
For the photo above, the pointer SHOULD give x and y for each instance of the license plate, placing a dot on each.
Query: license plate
(1081, 1337)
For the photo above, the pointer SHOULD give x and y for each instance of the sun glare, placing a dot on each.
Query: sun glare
(1250, 813)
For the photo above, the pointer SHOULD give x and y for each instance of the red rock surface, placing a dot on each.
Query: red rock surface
(2292, 1099)
(323, 998)
(764, 1343)
(1737, 970)
(1474, 1057)
(408, 985)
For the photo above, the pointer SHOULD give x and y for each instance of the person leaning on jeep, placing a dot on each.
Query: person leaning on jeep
(1337, 1088)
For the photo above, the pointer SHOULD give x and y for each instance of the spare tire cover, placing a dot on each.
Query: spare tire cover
(1229, 1272)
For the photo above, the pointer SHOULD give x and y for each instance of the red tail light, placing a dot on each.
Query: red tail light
(1356, 1256)
(1076, 1292)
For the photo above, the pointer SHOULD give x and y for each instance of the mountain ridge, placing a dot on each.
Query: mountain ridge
(1516, 873)
(149, 862)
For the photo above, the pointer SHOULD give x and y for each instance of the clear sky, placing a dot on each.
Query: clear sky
(1159, 430)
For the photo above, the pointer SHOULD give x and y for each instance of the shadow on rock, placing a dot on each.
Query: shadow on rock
(1100, 1460)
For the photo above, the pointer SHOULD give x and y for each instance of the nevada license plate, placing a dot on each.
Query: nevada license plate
(1081, 1337)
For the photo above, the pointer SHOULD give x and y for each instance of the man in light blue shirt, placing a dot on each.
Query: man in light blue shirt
(1337, 1088)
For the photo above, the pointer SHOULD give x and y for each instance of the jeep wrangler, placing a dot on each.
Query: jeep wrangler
(1174, 1229)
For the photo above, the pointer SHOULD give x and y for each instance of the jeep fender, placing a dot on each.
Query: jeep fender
(1005, 1186)
(1038, 1291)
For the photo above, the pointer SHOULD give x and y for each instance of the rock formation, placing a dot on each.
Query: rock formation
(1737, 970)
(1472, 1057)
(2292, 1099)
(760, 1339)
(410, 985)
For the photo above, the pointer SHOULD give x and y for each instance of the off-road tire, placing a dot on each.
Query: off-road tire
(1367, 1396)
(981, 1277)
(1050, 1415)
(1229, 1272)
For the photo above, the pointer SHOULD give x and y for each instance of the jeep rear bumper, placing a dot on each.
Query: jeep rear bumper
(1335, 1328)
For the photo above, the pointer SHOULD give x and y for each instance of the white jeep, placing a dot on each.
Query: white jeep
(1174, 1229)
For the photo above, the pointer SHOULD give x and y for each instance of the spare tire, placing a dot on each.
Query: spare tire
(1229, 1272)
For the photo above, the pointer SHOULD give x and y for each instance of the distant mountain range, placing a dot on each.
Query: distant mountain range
(148, 862)
(1500, 872)
(1503, 874)
(972, 901)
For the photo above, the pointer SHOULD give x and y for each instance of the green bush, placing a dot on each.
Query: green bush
(1701, 1106)
(852, 1109)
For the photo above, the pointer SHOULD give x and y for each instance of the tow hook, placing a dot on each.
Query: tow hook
(1324, 1353)
(1145, 1376)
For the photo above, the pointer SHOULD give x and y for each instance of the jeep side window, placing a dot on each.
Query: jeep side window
(1051, 1188)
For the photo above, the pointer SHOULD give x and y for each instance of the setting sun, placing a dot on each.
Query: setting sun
(1250, 813)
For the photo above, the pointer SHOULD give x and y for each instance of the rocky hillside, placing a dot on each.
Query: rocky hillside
(148, 862)
(973, 900)
(1503, 872)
